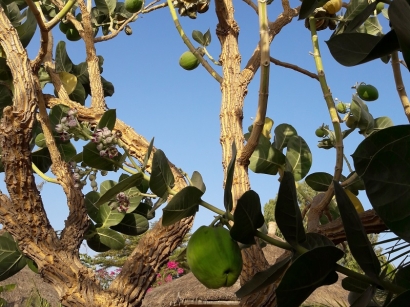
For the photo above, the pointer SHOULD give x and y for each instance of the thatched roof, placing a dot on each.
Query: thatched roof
(187, 291)
(27, 284)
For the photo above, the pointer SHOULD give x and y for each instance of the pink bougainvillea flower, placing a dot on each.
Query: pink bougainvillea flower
(180, 270)
(172, 265)
(168, 278)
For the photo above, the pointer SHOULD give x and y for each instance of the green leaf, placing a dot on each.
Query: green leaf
(308, 6)
(69, 81)
(79, 95)
(381, 160)
(122, 186)
(247, 218)
(184, 204)
(95, 244)
(315, 240)
(144, 210)
(399, 15)
(41, 158)
(107, 217)
(108, 119)
(299, 157)
(362, 299)
(382, 122)
(90, 201)
(91, 157)
(11, 259)
(357, 13)
(63, 61)
(162, 178)
(132, 224)
(228, 202)
(197, 181)
(27, 29)
(359, 243)
(148, 154)
(402, 277)
(108, 87)
(308, 272)
(401, 300)
(57, 113)
(287, 212)
(373, 26)
(207, 38)
(111, 238)
(198, 37)
(354, 285)
(282, 134)
(264, 278)
(319, 181)
(350, 49)
(106, 6)
(32, 265)
(7, 288)
(67, 150)
(266, 159)
(360, 112)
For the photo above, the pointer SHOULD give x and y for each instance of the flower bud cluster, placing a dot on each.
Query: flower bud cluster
(79, 175)
(106, 142)
(123, 202)
(67, 125)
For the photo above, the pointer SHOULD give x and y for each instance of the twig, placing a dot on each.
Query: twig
(252, 5)
(401, 90)
(191, 47)
(294, 67)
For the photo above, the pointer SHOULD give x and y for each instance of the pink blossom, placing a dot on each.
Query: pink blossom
(168, 278)
(180, 270)
(172, 265)
(149, 290)
(158, 275)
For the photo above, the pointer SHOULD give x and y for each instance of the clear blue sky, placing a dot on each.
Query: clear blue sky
(181, 108)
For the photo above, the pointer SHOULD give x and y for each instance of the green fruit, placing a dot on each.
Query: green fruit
(73, 35)
(133, 6)
(379, 7)
(214, 257)
(188, 61)
(367, 92)
(320, 132)
(351, 122)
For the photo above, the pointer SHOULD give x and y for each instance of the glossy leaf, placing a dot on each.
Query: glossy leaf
(148, 154)
(299, 157)
(106, 6)
(41, 158)
(266, 160)
(107, 217)
(264, 278)
(110, 238)
(95, 244)
(69, 81)
(108, 119)
(63, 61)
(308, 6)
(308, 272)
(355, 201)
(132, 224)
(207, 38)
(350, 49)
(198, 37)
(282, 134)
(122, 186)
(354, 285)
(399, 15)
(144, 209)
(184, 204)
(381, 160)
(161, 176)
(90, 201)
(228, 202)
(402, 277)
(57, 113)
(91, 157)
(67, 150)
(382, 122)
(108, 87)
(247, 218)
(357, 13)
(27, 29)
(287, 212)
(197, 181)
(79, 95)
(359, 243)
(361, 114)
(11, 259)
(314, 240)
(401, 300)
(319, 181)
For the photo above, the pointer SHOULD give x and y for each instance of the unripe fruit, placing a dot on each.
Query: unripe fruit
(379, 7)
(133, 6)
(320, 132)
(341, 108)
(188, 61)
(351, 122)
(367, 92)
(333, 6)
(214, 257)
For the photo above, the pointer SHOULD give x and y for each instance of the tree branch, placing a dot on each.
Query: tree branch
(401, 90)
(294, 67)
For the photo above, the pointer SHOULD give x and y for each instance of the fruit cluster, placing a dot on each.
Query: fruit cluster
(191, 8)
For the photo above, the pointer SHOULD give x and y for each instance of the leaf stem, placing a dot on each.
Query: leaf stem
(273, 241)
(215, 209)
(42, 175)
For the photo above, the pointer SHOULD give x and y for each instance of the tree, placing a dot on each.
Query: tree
(36, 130)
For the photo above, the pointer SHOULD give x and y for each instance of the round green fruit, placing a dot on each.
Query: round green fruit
(320, 132)
(214, 257)
(188, 61)
(73, 35)
(351, 122)
(367, 92)
(341, 108)
(133, 6)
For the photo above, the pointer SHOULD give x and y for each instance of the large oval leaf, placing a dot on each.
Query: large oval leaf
(27, 29)
(319, 181)
(247, 218)
(63, 61)
(132, 224)
(381, 160)
(162, 178)
(299, 157)
(107, 217)
(282, 134)
(228, 202)
(11, 259)
(110, 238)
(266, 160)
